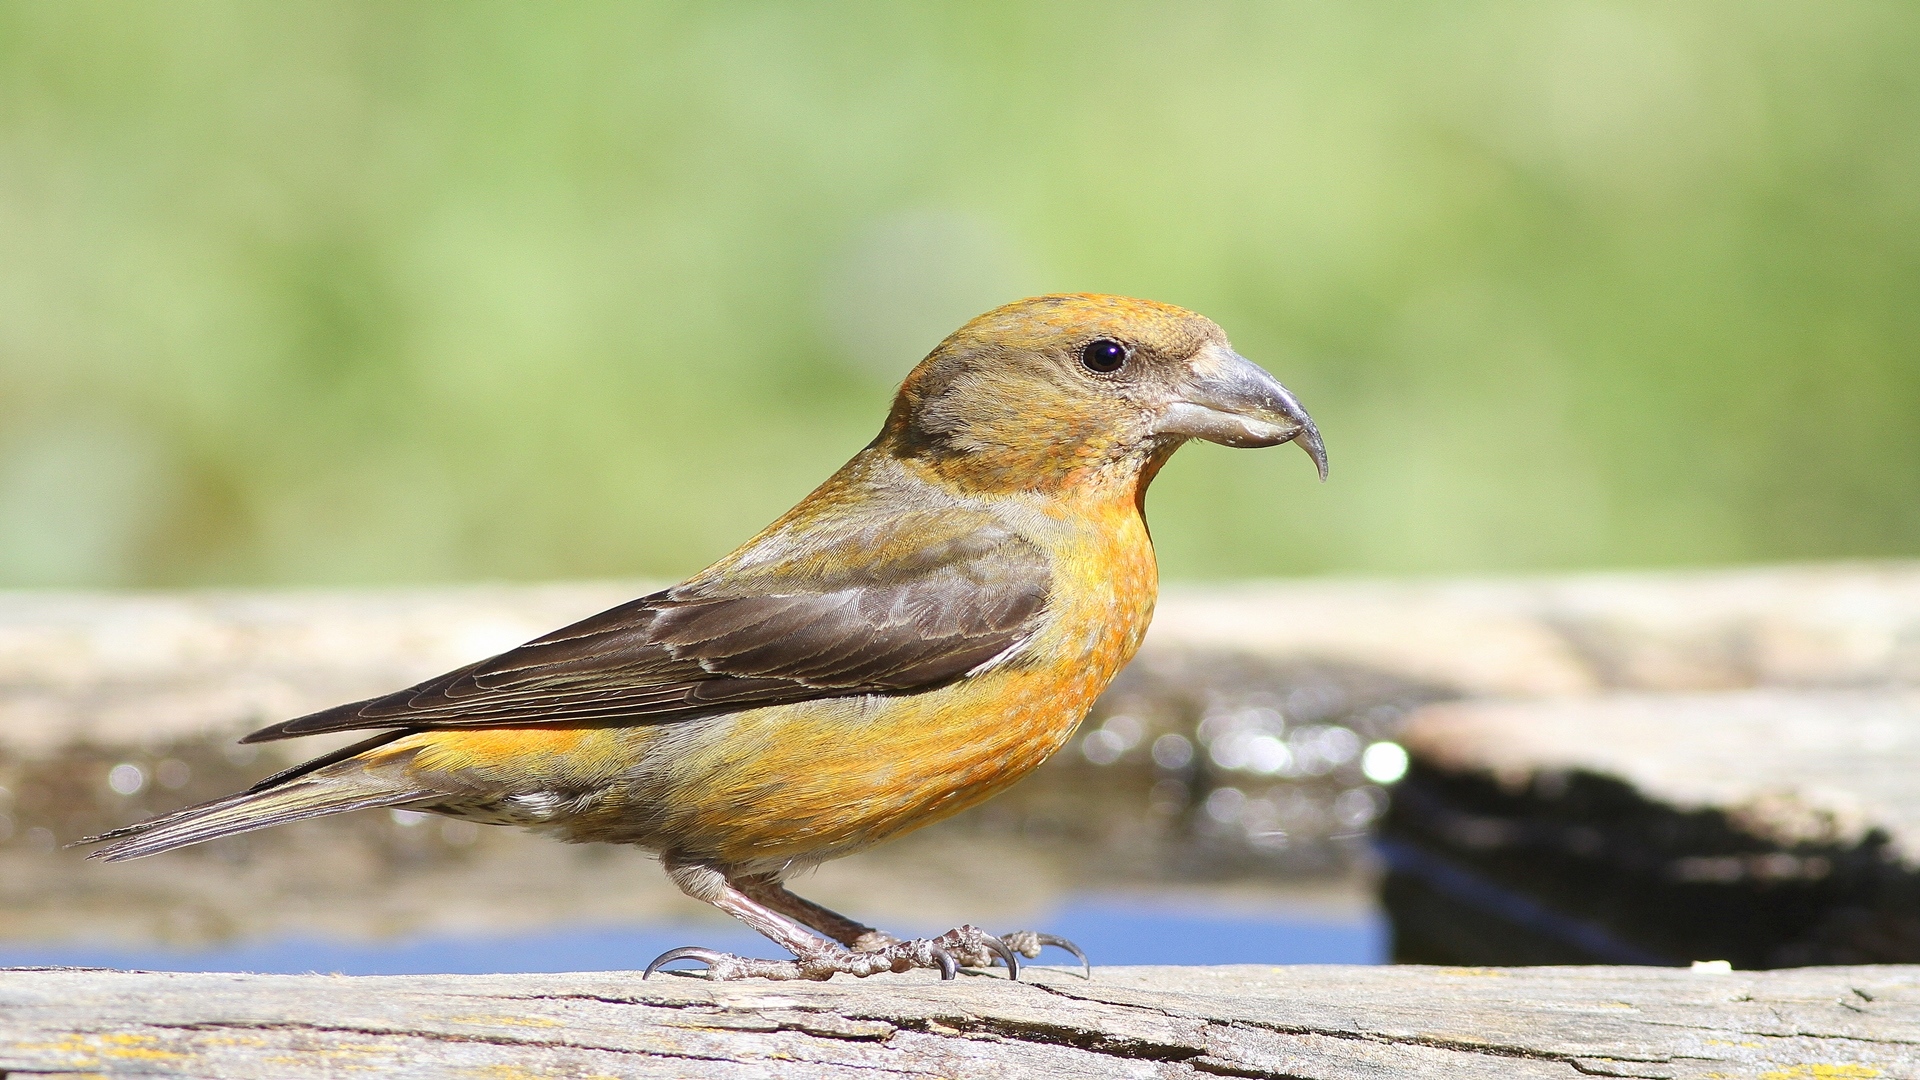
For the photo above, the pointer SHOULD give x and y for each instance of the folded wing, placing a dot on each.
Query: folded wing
(894, 607)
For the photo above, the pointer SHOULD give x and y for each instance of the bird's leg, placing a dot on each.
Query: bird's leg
(853, 934)
(860, 937)
(970, 946)
(816, 957)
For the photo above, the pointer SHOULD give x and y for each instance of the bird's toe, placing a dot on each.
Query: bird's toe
(1028, 943)
(725, 967)
(815, 966)
(964, 946)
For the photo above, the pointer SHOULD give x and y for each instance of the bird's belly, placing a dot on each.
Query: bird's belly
(764, 787)
(814, 781)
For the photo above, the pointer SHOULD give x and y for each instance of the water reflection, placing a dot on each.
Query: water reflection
(1112, 930)
(1255, 766)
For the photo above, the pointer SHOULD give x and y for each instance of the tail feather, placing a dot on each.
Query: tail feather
(305, 797)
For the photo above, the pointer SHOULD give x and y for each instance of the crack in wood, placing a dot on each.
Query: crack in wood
(1252, 1022)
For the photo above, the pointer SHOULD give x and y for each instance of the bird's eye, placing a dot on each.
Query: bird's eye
(1103, 355)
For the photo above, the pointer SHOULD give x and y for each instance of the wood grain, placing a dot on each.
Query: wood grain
(1321, 1022)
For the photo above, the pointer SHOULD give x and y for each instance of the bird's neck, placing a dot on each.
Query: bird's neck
(1084, 473)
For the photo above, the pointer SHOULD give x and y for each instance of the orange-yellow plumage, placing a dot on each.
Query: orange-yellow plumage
(820, 779)
(921, 631)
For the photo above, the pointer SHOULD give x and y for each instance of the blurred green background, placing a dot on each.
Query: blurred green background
(377, 292)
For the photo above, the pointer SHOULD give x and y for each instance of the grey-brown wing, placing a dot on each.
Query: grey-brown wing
(697, 650)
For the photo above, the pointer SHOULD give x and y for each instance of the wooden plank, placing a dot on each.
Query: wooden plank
(1812, 767)
(1836, 624)
(132, 668)
(122, 668)
(1320, 1022)
(1804, 774)
(1771, 827)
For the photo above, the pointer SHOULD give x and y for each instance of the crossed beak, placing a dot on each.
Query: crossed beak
(1230, 400)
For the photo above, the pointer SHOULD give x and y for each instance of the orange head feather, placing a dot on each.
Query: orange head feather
(1055, 391)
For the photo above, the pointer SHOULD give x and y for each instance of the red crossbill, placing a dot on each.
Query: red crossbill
(917, 634)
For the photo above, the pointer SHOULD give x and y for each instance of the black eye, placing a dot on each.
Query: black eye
(1103, 355)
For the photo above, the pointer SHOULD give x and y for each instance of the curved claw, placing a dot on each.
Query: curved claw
(684, 952)
(1063, 943)
(1001, 950)
(949, 968)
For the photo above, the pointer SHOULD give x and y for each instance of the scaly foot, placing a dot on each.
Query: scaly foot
(1027, 943)
(965, 946)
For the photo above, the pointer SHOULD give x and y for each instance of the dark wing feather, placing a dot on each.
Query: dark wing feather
(886, 623)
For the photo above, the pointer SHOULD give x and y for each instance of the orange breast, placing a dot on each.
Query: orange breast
(813, 781)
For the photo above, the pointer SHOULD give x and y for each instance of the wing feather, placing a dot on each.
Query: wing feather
(908, 618)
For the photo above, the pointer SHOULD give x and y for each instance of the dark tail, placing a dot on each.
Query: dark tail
(333, 784)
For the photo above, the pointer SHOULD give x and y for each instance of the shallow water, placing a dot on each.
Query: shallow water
(1213, 810)
(1112, 931)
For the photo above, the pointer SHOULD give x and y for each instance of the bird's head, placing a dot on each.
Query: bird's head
(1058, 390)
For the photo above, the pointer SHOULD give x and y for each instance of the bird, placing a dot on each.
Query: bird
(918, 633)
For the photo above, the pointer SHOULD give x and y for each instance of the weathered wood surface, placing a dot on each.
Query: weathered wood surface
(1790, 767)
(1772, 827)
(1321, 1022)
(118, 668)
